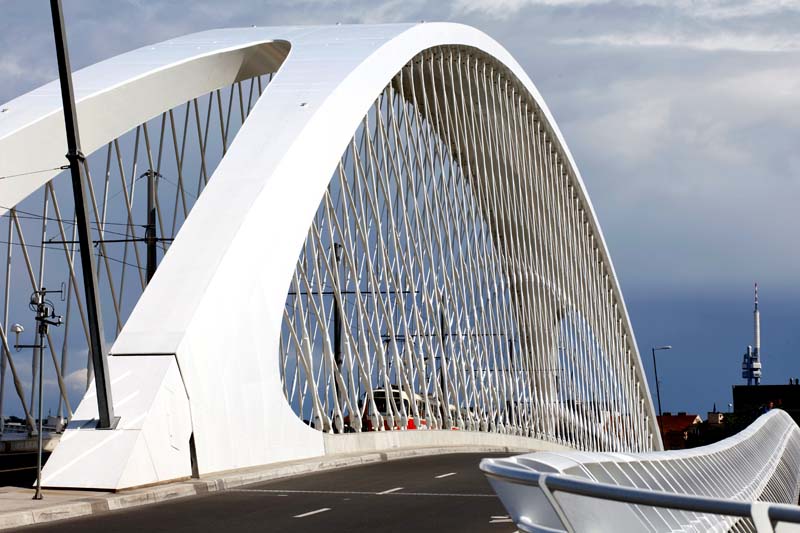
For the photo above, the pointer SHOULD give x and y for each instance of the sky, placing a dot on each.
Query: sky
(682, 116)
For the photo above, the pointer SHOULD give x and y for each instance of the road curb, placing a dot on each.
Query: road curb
(90, 505)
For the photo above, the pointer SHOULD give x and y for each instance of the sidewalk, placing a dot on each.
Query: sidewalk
(17, 508)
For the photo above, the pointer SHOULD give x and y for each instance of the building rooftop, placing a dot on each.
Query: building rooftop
(679, 422)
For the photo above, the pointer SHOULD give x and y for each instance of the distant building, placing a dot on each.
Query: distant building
(677, 429)
(752, 401)
(715, 418)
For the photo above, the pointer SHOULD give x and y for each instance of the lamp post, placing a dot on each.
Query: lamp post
(46, 317)
(658, 389)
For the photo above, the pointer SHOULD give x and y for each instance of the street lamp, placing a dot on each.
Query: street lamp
(655, 369)
(658, 390)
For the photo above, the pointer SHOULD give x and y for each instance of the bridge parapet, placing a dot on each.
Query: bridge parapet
(737, 484)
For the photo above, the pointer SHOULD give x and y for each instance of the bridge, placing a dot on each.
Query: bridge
(317, 242)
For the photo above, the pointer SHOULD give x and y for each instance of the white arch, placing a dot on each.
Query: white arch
(120, 93)
(197, 354)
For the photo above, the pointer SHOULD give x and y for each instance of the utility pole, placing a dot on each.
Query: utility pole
(76, 159)
(150, 230)
(445, 400)
(337, 317)
(658, 389)
(337, 320)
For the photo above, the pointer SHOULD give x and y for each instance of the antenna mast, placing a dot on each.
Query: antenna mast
(751, 365)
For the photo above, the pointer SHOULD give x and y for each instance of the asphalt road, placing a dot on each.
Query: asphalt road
(437, 493)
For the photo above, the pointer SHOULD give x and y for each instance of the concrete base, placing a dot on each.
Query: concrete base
(151, 401)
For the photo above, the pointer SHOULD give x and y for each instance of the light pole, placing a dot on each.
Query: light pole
(46, 317)
(658, 389)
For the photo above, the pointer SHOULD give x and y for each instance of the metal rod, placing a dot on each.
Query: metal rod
(337, 318)
(658, 391)
(606, 491)
(75, 156)
(39, 444)
(150, 232)
(3, 363)
(658, 395)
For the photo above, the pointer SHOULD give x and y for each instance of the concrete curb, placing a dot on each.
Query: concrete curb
(49, 511)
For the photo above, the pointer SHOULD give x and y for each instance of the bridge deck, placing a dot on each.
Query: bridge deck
(18, 509)
(432, 493)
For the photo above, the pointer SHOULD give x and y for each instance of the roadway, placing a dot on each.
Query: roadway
(435, 493)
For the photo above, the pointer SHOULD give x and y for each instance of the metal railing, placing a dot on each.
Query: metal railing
(743, 483)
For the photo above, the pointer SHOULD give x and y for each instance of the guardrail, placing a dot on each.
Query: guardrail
(743, 483)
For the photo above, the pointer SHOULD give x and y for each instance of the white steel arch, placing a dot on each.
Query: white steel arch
(197, 356)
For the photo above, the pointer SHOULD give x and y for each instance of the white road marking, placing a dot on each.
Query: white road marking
(390, 491)
(500, 521)
(500, 516)
(361, 493)
(313, 512)
(446, 475)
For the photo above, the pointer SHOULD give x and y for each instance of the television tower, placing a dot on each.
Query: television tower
(751, 365)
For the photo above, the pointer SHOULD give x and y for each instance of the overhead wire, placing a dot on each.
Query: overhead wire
(9, 176)
(56, 219)
(97, 254)
(104, 230)
(100, 254)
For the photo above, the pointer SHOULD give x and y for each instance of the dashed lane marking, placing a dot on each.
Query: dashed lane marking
(390, 491)
(313, 512)
(361, 493)
(446, 475)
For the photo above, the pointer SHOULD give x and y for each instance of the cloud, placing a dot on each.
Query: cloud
(75, 382)
(685, 101)
(712, 42)
(503, 9)
(711, 9)
(12, 67)
(701, 165)
(722, 9)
